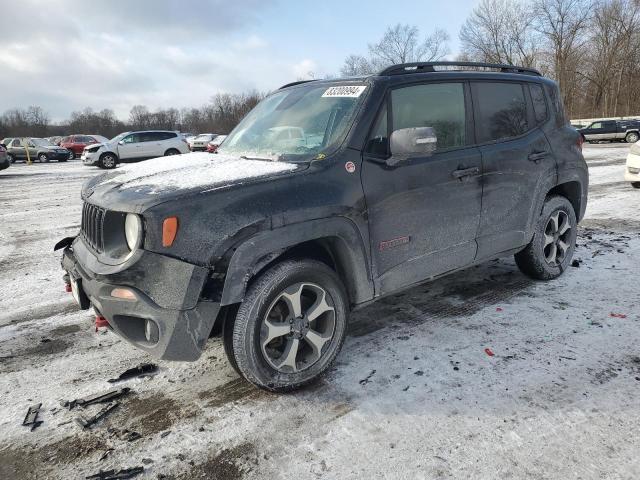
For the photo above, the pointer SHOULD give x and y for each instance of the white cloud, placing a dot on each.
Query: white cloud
(305, 69)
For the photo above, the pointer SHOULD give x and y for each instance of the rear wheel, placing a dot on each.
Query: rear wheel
(290, 326)
(554, 240)
(107, 161)
(11, 158)
(632, 137)
(43, 157)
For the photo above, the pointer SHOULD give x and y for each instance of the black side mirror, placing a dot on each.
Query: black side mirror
(408, 143)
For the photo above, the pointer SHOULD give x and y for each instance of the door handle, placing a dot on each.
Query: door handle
(466, 172)
(537, 156)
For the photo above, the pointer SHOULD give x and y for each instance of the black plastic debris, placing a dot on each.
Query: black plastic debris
(31, 418)
(97, 398)
(121, 474)
(144, 369)
(88, 422)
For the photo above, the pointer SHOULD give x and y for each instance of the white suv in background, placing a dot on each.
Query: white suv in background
(632, 172)
(134, 147)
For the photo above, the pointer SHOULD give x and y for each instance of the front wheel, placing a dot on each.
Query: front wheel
(290, 325)
(43, 158)
(632, 137)
(11, 158)
(72, 156)
(554, 240)
(171, 151)
(108, 161)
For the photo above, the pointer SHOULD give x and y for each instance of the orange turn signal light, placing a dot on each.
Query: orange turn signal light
(123, 293)
(169, 231)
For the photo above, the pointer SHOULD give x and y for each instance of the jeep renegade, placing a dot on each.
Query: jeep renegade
(328, 195)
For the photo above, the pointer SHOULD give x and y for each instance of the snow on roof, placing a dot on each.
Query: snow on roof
(192, 170)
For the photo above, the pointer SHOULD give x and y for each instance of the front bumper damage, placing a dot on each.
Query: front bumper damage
(168, 319)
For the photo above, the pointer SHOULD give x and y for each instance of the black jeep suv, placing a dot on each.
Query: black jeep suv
(328, 195)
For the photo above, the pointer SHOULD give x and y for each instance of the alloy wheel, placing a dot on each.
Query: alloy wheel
(298, 325)
(557, 238)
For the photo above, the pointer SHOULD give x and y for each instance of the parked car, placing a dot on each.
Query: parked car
(4, 158)
(403, 177)
(134, 147)
(212, 146)
(632, 172)
(612, 130)
(39, 149)
(54, 140)
(199, 143)
(6, 142)
(77, 143)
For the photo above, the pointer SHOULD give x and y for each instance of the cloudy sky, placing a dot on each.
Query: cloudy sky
(65, 55)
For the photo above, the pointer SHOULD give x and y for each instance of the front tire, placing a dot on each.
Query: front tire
(554, 240)
(11, 158)
(290, 326)
(171, 151)
(108, 161)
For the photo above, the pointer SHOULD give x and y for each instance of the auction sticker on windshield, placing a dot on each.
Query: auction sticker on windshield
(345, 91)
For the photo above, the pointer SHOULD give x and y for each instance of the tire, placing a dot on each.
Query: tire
(314, 288)
(11, 158)
(544, 258)
(42, 157)
(108, 161)
(635, 184)
(72, 155)
(171, 151)
(632, 137)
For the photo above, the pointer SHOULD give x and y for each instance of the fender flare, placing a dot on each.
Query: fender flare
(265, 246)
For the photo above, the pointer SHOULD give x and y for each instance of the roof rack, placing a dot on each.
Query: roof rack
(296, 83)
(424, 67)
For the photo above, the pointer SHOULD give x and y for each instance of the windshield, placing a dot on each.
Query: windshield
(118, 137)
(204, 136)
(297, 123)
(41, 142)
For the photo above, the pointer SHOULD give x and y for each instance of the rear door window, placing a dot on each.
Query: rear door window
(437, 105)
(501, 110)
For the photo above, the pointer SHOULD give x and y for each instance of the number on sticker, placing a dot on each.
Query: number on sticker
(345, 91)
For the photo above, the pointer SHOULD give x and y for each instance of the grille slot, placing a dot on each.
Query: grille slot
(92, 226)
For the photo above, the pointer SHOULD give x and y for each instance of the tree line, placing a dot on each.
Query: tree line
(219, 115)
(590, 47)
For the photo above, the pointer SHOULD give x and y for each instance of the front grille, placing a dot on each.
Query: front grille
(92, 226)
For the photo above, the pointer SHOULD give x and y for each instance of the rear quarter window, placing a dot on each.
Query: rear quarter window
(539, 103)
(501, 111)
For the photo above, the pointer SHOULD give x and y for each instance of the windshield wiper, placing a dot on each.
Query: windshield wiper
(264, 159)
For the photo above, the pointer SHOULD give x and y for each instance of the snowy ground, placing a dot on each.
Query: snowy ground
(413, 394)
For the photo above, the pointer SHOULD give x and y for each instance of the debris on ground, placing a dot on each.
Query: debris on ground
(88, 422)
(121, 474)
(617, 315)
(31, 418)
(144, 369)
(366, 380)
(489, 352)
(126, 435)
(576, 263)
(97, 398)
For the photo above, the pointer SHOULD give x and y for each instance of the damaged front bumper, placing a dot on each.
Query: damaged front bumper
(164, 316)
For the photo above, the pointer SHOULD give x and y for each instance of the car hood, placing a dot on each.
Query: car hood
(136, 187)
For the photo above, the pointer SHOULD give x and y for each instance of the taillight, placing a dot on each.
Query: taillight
(580, 142)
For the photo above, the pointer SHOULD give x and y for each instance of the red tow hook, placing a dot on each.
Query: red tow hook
(101, 322)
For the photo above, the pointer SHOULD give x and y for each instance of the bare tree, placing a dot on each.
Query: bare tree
(500, 31)
(399, 44)
(563, 25)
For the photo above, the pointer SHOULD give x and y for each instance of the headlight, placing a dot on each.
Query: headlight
(133, 230)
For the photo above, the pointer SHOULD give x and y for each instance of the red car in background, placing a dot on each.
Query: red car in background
(76, 143)
(213, 145)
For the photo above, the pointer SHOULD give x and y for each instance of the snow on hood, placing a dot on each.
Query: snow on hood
(191, 171)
